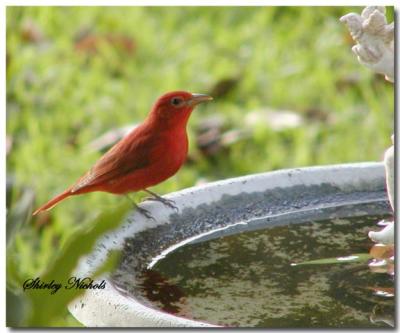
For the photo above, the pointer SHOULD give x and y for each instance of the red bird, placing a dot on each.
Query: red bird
(153, 152)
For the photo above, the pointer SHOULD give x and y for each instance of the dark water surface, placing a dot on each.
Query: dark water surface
(247, 279)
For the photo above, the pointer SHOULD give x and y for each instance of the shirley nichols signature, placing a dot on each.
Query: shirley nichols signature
(72, 283)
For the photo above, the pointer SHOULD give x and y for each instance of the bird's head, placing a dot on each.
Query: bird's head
(174, 108)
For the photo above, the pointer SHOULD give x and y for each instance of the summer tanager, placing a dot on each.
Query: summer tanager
(148, 155)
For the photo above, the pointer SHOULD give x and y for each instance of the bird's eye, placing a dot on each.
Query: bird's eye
(176, 101)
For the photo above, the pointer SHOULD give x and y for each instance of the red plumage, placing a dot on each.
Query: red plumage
(150, 154)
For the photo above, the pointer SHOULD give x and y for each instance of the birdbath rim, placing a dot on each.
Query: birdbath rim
(112, 307)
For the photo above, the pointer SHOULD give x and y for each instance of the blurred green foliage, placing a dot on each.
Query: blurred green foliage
(74, 73)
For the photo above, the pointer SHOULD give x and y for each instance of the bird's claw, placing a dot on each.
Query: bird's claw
(167, 202)
(145, 213)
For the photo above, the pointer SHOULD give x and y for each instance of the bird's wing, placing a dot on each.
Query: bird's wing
(131, 153)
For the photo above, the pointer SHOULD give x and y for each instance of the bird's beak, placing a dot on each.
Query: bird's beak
(198, 98)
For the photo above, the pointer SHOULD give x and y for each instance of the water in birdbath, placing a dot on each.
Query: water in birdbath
(248, 279)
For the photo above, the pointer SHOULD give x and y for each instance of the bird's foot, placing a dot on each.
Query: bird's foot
(167, 202)
(141, 210)
(145, 213)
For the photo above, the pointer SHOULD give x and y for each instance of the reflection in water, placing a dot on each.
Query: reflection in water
(246, 279)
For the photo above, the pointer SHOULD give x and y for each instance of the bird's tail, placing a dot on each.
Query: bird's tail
(53, 202)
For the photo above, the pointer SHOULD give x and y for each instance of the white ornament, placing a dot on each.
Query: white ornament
(374, 38)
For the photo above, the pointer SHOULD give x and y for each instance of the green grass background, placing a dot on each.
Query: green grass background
(294, 58)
